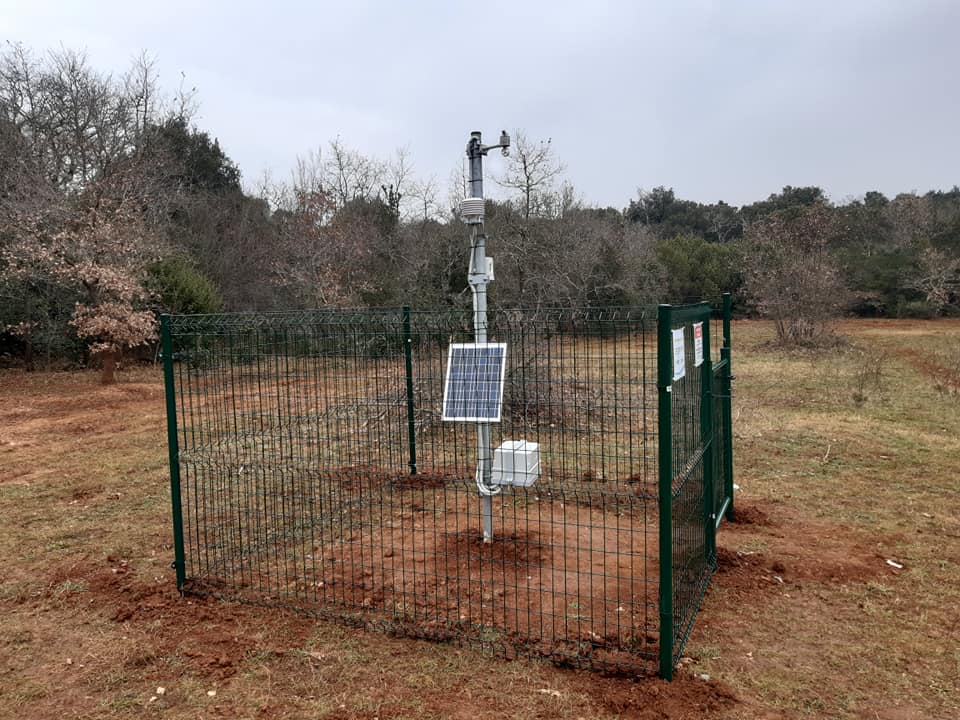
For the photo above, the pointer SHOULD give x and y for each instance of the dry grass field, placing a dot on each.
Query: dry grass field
(836, 594)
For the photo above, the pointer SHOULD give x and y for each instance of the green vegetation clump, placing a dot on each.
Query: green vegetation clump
(180, 288)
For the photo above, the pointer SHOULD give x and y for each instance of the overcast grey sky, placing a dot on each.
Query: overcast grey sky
(721, 100)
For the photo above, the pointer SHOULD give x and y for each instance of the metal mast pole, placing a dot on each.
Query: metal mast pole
(478, 279)
(479, 276)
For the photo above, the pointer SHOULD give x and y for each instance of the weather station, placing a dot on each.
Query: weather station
(473, 391)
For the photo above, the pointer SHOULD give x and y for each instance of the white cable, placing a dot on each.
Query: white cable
(483, 488)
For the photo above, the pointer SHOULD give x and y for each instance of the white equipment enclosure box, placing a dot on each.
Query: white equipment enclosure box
(516, 462)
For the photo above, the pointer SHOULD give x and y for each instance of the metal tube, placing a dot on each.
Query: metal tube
(480, 335)
(478, 280)
(475, 154)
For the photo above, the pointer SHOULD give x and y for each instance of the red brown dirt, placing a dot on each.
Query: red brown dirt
(209, 638)
(685, 698)
(797, 554)
(559, 580)
(200, 628)
(750, 515)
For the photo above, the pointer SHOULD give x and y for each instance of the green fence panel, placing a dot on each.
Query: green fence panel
(317, 474)
(693, 483)
(310, 469)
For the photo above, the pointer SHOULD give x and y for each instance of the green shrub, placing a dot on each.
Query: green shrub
(696, 269)
(182, 289)
(917, 309)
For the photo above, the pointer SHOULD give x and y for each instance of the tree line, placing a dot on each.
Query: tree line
(115, 207)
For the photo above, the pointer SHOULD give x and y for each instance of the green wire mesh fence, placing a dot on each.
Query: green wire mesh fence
(310, 468)
(695, 464)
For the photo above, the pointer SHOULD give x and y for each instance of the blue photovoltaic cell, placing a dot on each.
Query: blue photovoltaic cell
(474, 387)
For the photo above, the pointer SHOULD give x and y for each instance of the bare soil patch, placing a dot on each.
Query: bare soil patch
(573, 582)
(686, 698)
(750, 515)
(796, 553)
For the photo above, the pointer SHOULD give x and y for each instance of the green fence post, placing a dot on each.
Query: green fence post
(665, 492)
(411, 425)
(727, 390)
(173, 447)
(707, 438)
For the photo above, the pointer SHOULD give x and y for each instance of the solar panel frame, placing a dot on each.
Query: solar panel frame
(464, 371)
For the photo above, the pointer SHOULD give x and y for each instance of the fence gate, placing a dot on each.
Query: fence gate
(311, 468)
(695, 464)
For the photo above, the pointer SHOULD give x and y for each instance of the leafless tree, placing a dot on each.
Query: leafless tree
(457, 188)
(77, 122)
(424, 196)
(324, 263)
(140, 86)
(397, 180)
(348, 175)
(791, 274)
(937, 272)
(532, 170)
(937, 277)
(80, 204)
(912, 219)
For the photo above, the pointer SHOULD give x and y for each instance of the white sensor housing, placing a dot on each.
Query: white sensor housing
(471, 210)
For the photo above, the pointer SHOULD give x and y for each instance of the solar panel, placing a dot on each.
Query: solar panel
(474, 387)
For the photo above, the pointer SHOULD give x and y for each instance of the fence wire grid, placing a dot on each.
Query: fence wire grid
(311, 469)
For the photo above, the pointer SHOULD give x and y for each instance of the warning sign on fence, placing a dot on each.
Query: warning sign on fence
(679, 354)
(697, 344)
